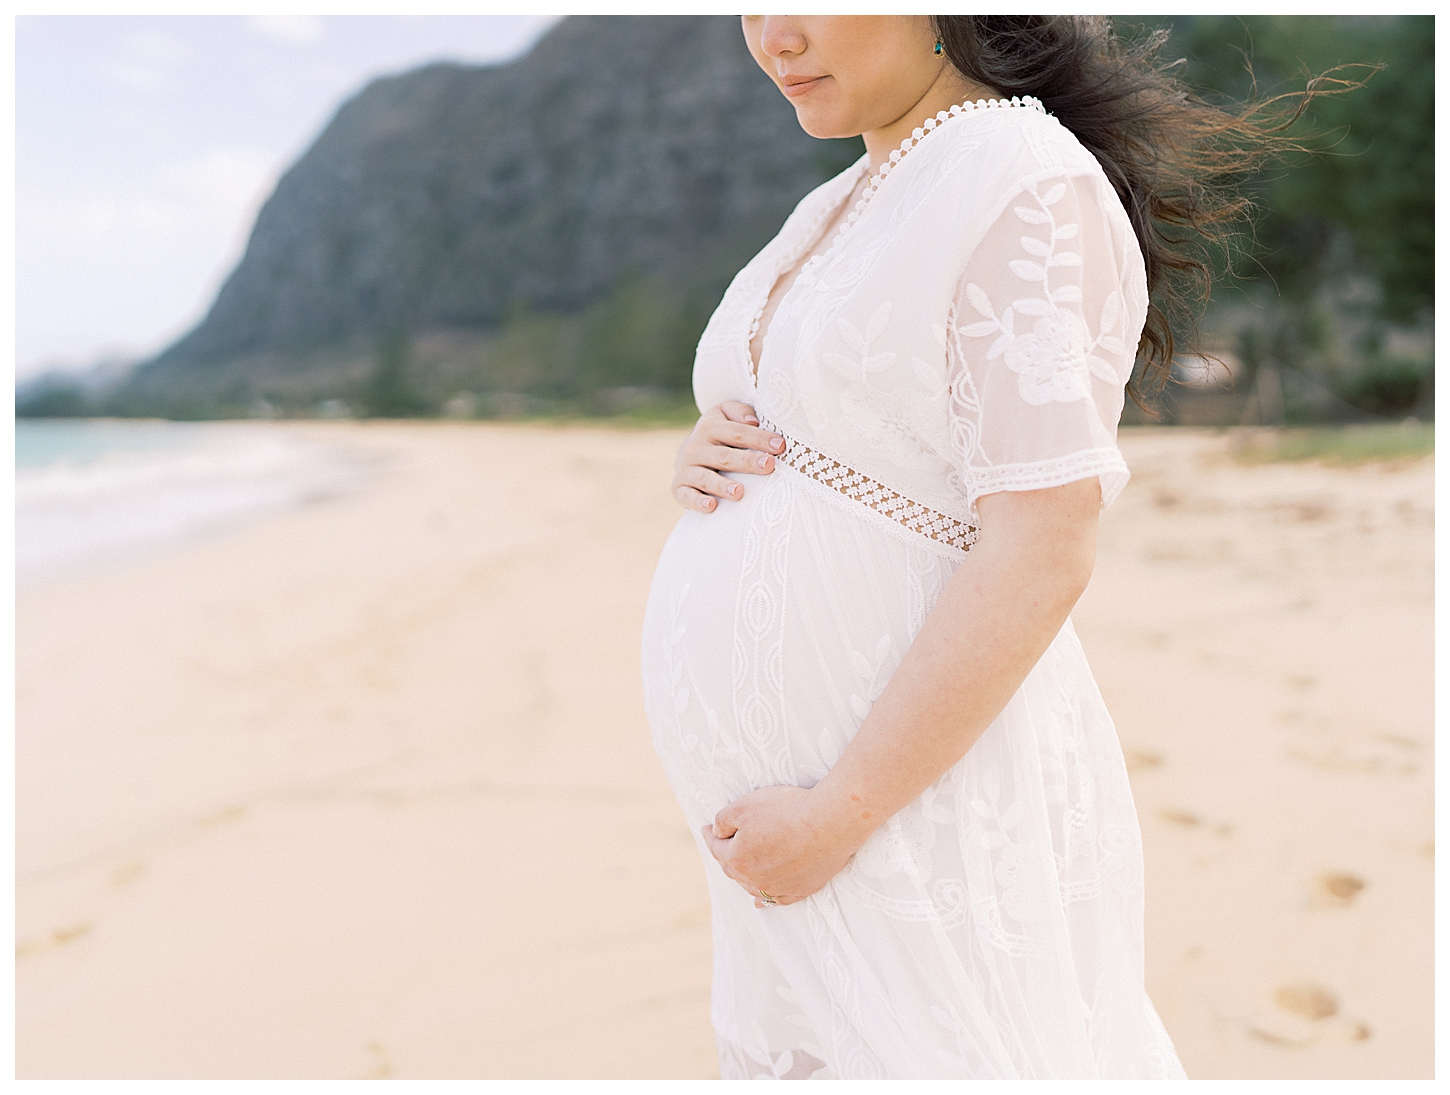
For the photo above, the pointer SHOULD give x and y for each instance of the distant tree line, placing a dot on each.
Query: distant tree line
(1335, 284)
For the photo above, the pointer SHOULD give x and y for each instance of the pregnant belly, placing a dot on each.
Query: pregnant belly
(772, 626)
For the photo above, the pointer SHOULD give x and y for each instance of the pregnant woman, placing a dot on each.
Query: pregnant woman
(859, 670)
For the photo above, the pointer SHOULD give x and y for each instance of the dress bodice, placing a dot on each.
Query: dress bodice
(971, 330)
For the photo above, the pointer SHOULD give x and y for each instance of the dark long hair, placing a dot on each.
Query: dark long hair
(1178, 163)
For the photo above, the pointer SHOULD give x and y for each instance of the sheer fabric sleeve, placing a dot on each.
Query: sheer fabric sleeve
(1041, 339)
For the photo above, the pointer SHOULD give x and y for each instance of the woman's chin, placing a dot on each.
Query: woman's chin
(823, 124)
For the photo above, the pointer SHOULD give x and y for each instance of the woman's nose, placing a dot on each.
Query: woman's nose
(780, 36)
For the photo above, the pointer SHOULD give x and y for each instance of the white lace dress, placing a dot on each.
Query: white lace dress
(969, 330)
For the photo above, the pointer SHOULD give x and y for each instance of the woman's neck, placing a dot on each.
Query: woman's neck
(949, 89)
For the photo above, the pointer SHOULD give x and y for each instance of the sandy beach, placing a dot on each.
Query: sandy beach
(364, 789)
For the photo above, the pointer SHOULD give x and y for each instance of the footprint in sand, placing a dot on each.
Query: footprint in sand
(382, 1064)
(1301, 510)
(1223, 829)
(222, 817)
(1307, 999)
(59, 937)
(129, 873)
(1315, 1014)
(1397, 739)
(1299, 1019)
(1139, 759)
(1340, 888)
(1353, 755)
(1276, 1039)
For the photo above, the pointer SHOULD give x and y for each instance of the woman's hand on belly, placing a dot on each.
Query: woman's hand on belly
(768, 842)
(727, 437)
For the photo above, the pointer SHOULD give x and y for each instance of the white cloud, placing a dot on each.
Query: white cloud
(134, 75)
(146, 58)
(155, 46)
(298, 29)
(143, 257)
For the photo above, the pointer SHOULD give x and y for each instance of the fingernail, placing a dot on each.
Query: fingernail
(777, 443)
(762, 461)
(752, 421)
(734, 492)
(708, 504)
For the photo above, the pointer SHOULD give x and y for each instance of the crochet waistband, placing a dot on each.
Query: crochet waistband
(859, 487)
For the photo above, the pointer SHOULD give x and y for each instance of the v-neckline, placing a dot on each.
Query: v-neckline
(863, 165)
(797, 258)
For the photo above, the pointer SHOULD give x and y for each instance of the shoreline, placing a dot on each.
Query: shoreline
(88, 513)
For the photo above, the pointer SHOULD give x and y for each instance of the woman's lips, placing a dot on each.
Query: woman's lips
(795, 86)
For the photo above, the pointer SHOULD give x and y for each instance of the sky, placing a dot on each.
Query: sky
(144, 146)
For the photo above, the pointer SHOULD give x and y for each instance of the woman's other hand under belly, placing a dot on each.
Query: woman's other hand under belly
(768, 842)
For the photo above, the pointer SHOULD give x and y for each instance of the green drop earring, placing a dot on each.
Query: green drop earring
(937, 48)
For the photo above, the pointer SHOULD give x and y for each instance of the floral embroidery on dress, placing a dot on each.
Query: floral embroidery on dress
(783, 395)
(865, 363)
(965, 405)
(904, 843)
(1054, 360)
(893, 422)
(870, 670)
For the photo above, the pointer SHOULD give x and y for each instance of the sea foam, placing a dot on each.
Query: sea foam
(103, 492)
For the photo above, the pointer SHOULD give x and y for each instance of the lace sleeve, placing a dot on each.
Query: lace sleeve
(1041, 339)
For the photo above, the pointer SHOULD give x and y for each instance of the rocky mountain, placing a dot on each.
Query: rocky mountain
(611, 180)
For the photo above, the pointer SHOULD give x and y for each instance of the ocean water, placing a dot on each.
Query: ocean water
(93, 493)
